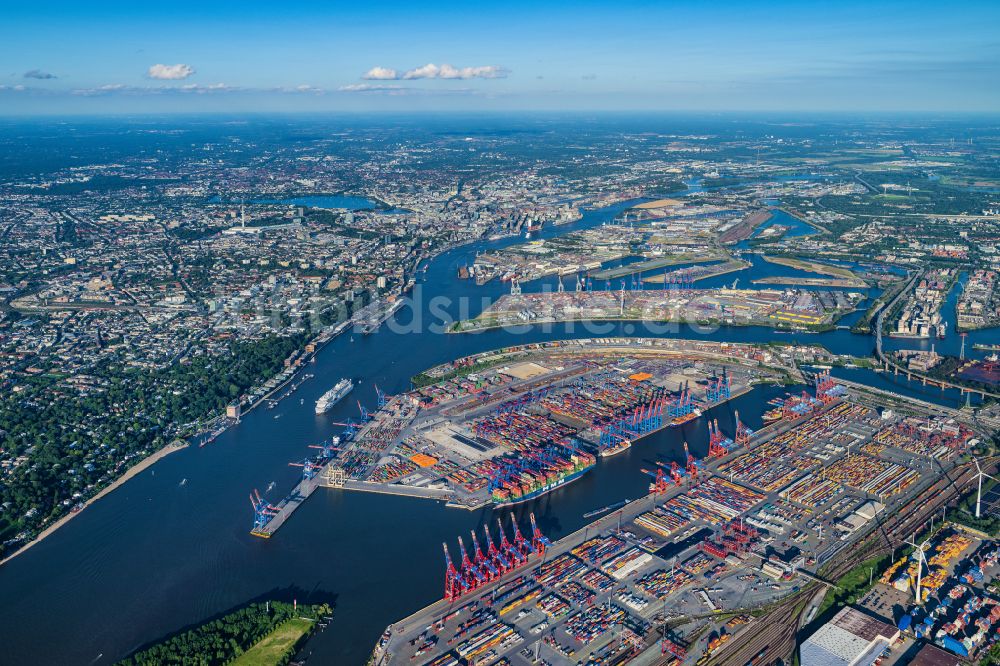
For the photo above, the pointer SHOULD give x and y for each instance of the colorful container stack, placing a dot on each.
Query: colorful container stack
(623, 565)
(661, 583)
(592, 623)
(600, 548)
(498, 637)
(812, 490)
(560, 570)
(872, 475)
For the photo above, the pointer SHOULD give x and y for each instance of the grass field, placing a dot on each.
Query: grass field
(816, 267)
(276, 645)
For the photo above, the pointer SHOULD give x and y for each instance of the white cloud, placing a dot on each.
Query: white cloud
(200, 89)
(305, 89)
(189, 88)
(397, 90)
(485, 72)
(381, 74)
(432, 71)
(106, 89)
(170, 72)
(370, 87)
(428, 71)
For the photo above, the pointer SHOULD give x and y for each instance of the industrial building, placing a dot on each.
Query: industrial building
(851, 638)
(932, 655)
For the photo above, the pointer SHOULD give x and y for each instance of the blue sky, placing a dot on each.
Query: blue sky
(110, 57)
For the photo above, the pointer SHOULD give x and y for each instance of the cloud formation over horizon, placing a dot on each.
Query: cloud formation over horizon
(38, 74)
(124, 89)
(391, 89)
(170, 72)
(370, 87)
(432, 71)
(380, 74)
(191, 89)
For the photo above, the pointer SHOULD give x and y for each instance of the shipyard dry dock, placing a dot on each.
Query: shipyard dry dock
(674, 576)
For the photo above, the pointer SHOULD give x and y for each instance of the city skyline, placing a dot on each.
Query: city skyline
(114, 58)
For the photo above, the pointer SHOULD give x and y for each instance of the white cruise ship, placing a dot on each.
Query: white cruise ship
(334, 395)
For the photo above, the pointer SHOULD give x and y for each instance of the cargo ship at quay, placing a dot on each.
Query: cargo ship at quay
(527, 485)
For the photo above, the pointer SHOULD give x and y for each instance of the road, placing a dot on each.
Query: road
(888, 361)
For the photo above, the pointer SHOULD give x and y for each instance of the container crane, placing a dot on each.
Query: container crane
(517, 558)
(660, 484)
(520, 543)
(469, 571)
(501, 560)
(692, 463)
(454, 584)
(485, 565)
(539, 541)
(743, 433)
(718, 444)
(350, 428)
(263, 511)
(309, 468)
(328, 448)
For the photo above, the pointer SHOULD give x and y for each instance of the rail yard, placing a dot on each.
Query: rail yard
(751, 529)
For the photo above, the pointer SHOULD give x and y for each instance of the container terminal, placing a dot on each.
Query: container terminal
(677, 576)
(529, 420)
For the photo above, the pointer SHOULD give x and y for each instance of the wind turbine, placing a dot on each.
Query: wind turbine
(979, 491)
(921, 563)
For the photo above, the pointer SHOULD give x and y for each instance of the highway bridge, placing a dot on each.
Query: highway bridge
(890, 363)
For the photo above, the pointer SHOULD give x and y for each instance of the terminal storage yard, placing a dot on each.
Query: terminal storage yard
(688, 572)
(533, 419)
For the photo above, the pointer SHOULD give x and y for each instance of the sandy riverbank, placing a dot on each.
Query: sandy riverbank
(132, 471)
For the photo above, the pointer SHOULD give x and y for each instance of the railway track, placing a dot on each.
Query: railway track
(910, 518)
(947, 488)
(776, 633)
(773, 634)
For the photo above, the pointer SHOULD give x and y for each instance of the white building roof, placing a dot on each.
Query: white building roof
(851, 638)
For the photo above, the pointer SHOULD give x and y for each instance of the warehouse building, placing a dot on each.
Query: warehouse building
(931, 655)
(851, 638)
